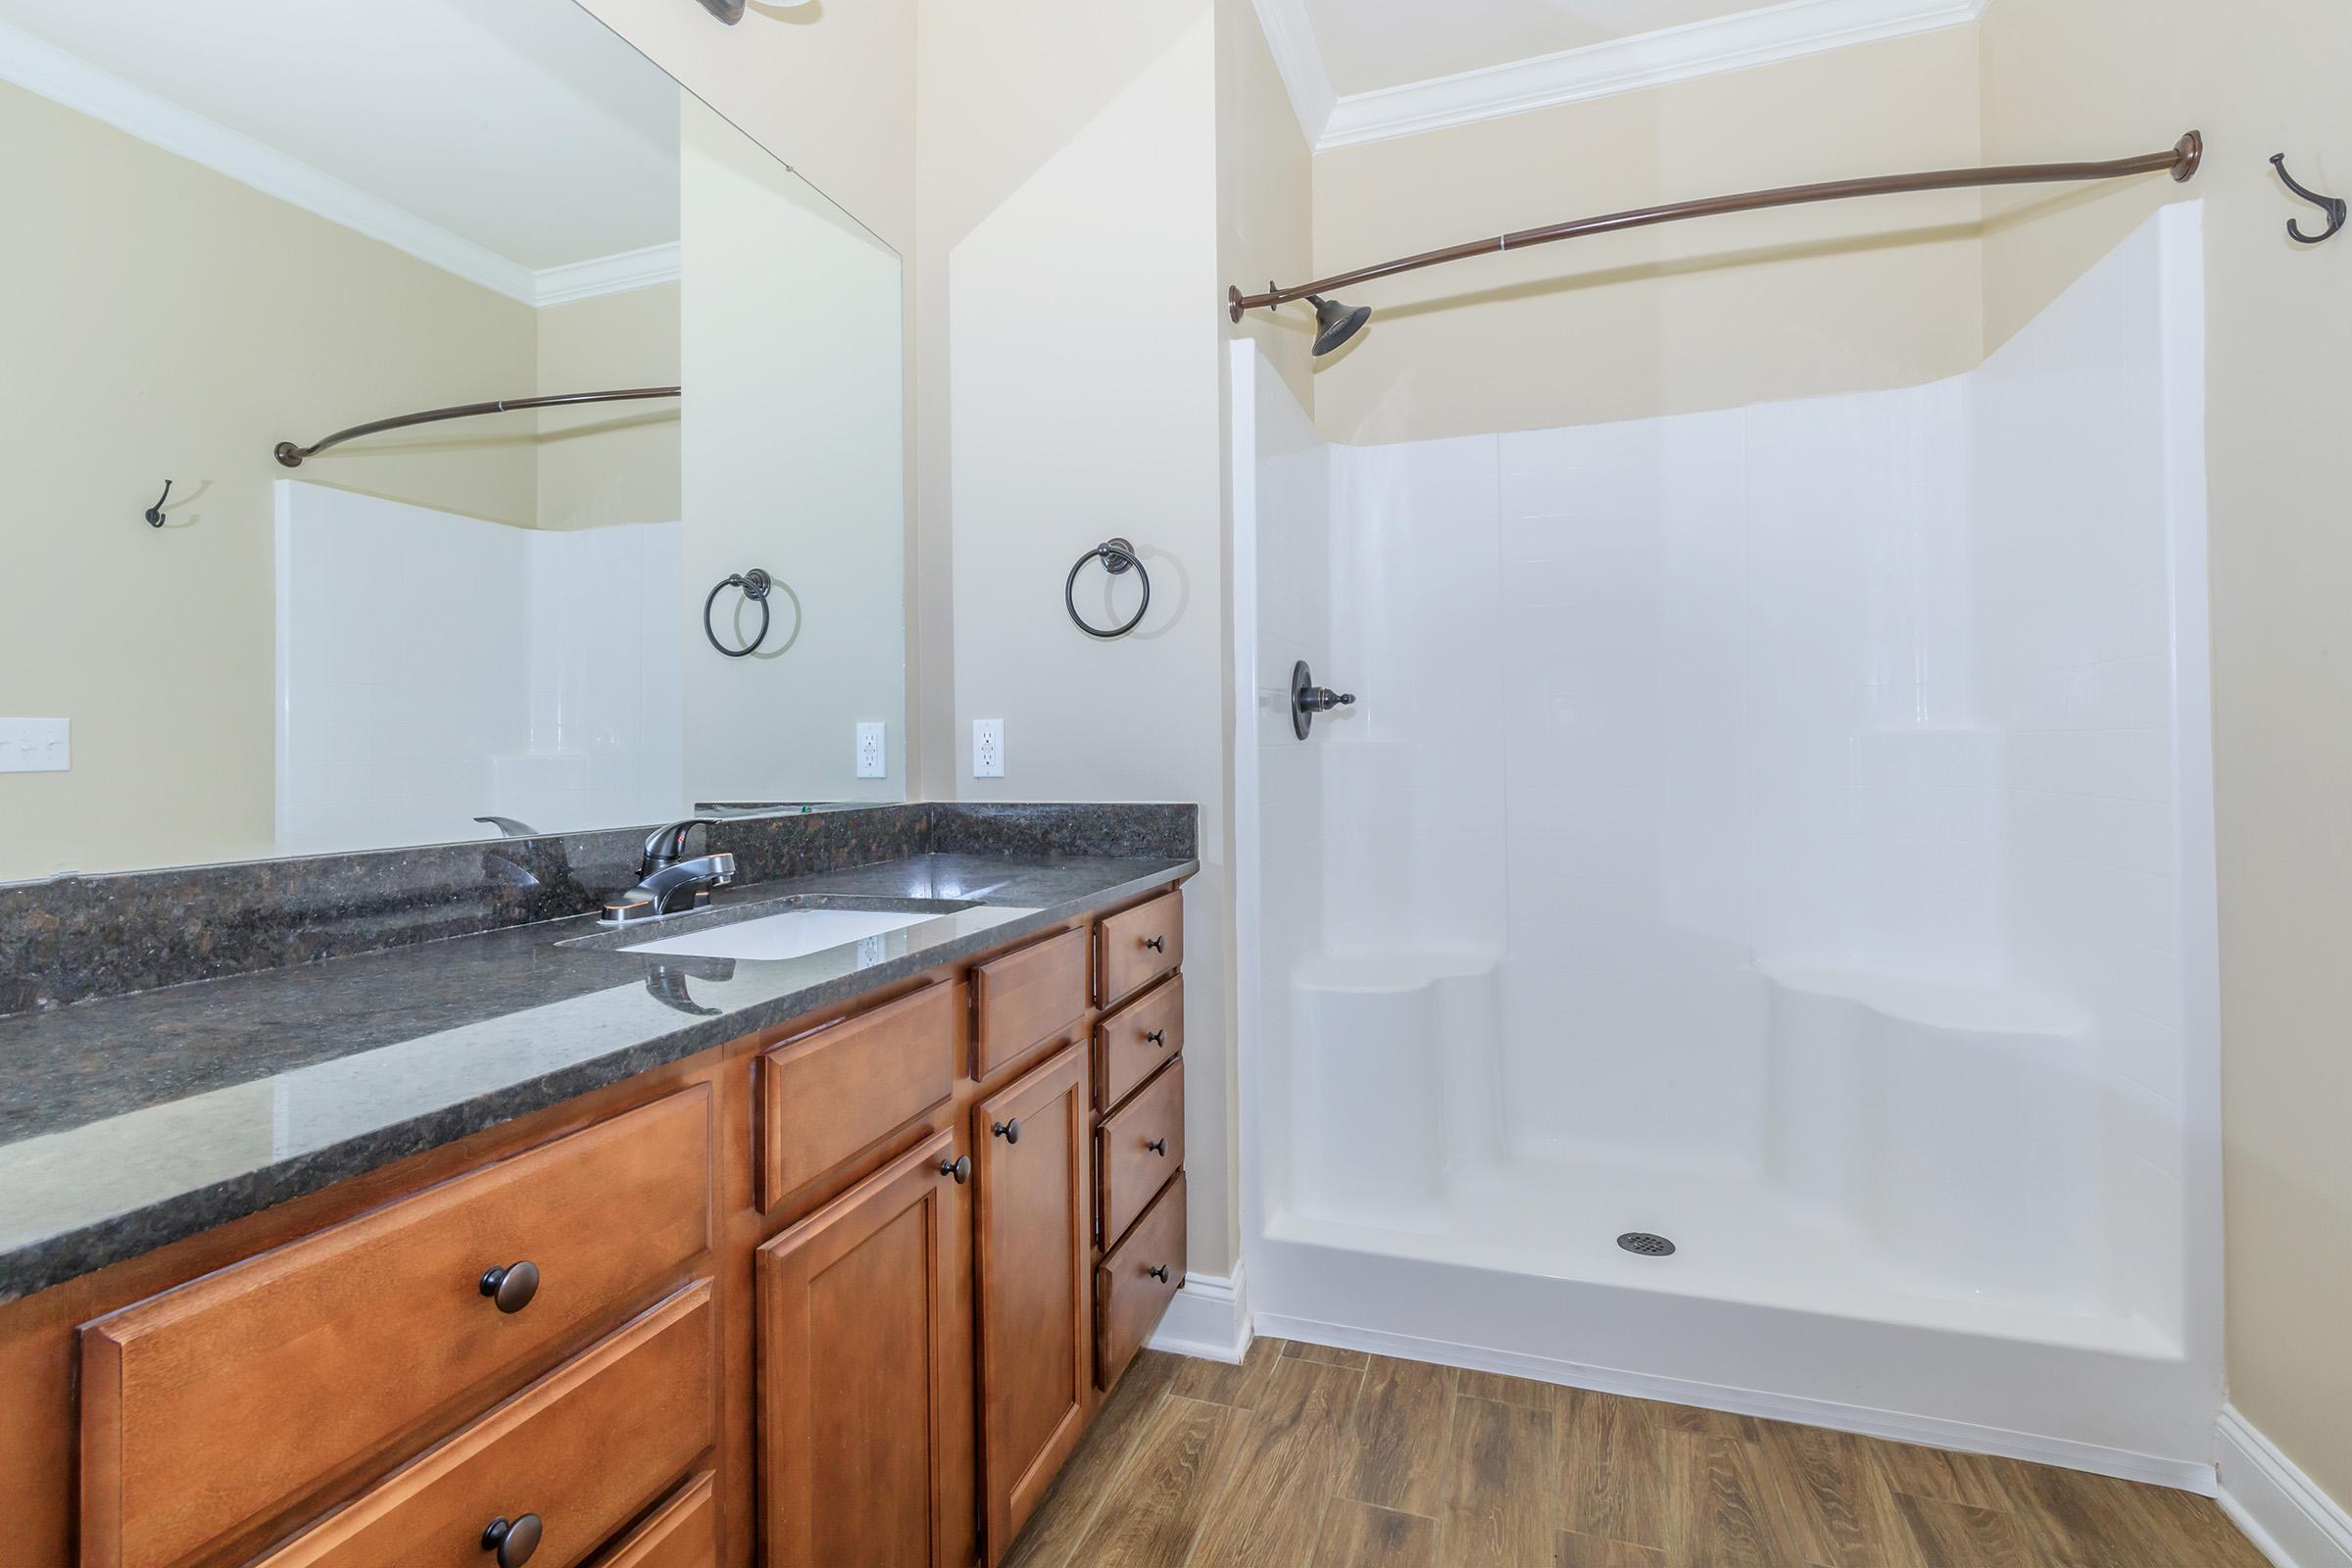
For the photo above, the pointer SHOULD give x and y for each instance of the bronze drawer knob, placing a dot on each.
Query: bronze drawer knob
(1157, 1036)
(515, 1541)
(1159, 1272)
(1157, 944)
(512, 1288)
(1009, 1131)
(960, 1167)
(1160, 1147)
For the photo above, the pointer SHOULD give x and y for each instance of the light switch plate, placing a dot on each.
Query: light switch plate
(988, 747)
(873, 756)
(36, 745)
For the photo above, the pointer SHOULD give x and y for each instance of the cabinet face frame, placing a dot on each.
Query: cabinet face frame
(791, 1362)
(1015, 1182)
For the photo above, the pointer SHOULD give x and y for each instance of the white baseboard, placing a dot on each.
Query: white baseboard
(2184, 1475)
(1209, 1318)
(2282, 1511)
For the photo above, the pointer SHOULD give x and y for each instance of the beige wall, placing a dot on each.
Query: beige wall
(2114, 76)
(828, 88)
(793, 464)
(1688, 317)
(617, 462)
(1265, 193)
(188, 324)
(1067, 257)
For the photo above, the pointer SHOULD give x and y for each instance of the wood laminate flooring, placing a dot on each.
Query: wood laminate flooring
(1307, 1457)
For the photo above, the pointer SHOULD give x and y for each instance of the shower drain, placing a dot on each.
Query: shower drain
(1645, 1245)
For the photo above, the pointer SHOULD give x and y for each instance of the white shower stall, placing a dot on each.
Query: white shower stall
(1785, 830)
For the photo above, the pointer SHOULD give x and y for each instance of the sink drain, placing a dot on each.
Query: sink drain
(1645, 1245)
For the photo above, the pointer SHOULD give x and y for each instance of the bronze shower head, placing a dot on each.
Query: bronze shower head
(1336, 324)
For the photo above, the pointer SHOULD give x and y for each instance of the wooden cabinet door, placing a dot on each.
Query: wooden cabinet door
(1031, 1150)
(857, 1358)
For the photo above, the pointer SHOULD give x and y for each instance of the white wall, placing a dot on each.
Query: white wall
(433, 669)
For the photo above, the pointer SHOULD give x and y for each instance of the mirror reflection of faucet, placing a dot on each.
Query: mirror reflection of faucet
(668, 882)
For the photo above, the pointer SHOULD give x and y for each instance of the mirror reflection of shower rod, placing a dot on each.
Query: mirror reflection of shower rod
(1336, 324)
(291, 456)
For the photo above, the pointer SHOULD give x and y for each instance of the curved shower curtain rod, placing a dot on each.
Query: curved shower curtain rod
(2181, 160)
(291, 456)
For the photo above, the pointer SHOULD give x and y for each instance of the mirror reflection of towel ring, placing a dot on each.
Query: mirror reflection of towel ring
(755, 584)
(1118, 557)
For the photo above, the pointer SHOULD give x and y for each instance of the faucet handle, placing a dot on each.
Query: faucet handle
(668, 844)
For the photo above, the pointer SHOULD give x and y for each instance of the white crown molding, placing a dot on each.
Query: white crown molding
(1291, 35)
(51, 73)
(1628, 65)
(609, 274)
(2282, 1511)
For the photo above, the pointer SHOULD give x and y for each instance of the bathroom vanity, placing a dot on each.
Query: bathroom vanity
(822, 1261)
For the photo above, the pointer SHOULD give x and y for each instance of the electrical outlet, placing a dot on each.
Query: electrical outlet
(873, 756)
(988, 747)
(37, 746)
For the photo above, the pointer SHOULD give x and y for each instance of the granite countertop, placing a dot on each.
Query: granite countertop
(134, 1121)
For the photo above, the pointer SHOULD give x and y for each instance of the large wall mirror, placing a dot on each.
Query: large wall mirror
(236, 223)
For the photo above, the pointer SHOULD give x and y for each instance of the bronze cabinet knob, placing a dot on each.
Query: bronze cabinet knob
(1160, 1147)
(960, 1167)
(1159, 1272)
(1009, 1131)
(1157, 1036)
(514, 1540)
(512, 1287)
(1157, 944)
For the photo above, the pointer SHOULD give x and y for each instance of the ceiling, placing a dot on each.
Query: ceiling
(1365, 70)
(1371, 44)
(524, 128)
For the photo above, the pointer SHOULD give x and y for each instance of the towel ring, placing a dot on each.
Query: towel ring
(1118, 558)
(754, 585)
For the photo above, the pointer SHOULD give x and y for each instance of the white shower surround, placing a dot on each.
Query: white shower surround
(435, 667)
(1789, 829)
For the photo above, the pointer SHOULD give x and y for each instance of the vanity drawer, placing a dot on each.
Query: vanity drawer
(1027, 998)
(1138, 1147)
(1134, 1285)
(683, 1533)
(1138, 946)
(837, 1090)
(210, 1407)
(577, 1453)
(1136, 1041)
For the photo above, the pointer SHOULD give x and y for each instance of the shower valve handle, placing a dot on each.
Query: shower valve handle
(1322, 699)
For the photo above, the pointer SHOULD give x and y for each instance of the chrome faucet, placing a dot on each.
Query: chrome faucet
(668, 882)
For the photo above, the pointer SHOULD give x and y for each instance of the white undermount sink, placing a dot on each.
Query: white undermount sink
(786, 935)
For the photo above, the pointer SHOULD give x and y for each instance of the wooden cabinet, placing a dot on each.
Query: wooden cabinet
(1136, 1041)
(1140, 1145)
(683, 1533)
(841, 1293)
(570, 1459)
(1136, 1282)
(1137, 946)
(281, 1361)
(855, 1346)
(829, 1093)
(1035, 1235)
(1025, 999)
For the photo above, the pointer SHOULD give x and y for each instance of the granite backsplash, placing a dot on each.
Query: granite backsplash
(76, 938)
